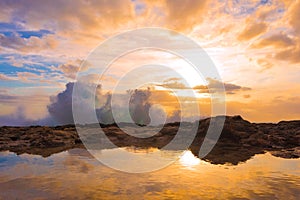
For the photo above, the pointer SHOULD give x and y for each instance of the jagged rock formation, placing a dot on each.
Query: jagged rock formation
(238, 142)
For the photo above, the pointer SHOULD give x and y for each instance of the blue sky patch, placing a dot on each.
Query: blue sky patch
(36, 64)
(28, 34)
(9, 29)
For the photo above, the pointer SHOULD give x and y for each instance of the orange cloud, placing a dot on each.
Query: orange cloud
(69, 69)
(290, 55)
(173, 83)
(164, 98)
(183, 15)
(279, 40)
(265, 64)
(179, 15)
(253, 30)
(295, 16)
(4, 77)
(214, 86)
(82, 16)
(28, 45)
(27, 76)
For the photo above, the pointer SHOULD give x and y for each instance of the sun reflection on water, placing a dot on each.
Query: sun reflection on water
(75, 174)
(189, 160)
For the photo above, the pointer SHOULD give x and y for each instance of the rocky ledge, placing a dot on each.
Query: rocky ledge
(239, 139)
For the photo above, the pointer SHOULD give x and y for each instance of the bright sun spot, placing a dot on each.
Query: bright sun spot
(188, 159)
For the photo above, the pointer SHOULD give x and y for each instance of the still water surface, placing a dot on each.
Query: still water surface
(75, 174)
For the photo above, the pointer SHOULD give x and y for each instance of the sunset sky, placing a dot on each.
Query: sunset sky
(255, 45)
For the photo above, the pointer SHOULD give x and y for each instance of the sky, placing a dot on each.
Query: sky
(254, 44)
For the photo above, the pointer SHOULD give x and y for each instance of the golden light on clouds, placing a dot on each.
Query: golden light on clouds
(254, 45)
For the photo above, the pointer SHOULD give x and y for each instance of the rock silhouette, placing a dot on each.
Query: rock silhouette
(238, 142)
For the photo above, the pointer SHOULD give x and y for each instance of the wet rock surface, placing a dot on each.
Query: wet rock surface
(238, 142)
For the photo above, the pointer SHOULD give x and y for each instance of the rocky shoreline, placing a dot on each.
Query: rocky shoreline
(239, 140)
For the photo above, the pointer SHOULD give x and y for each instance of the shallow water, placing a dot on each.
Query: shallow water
(75, 174)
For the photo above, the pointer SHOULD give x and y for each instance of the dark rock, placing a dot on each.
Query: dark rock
(239, 140)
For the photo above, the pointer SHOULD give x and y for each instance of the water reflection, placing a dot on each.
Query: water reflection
(136, 160)
(75, 174)
(189, 160)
